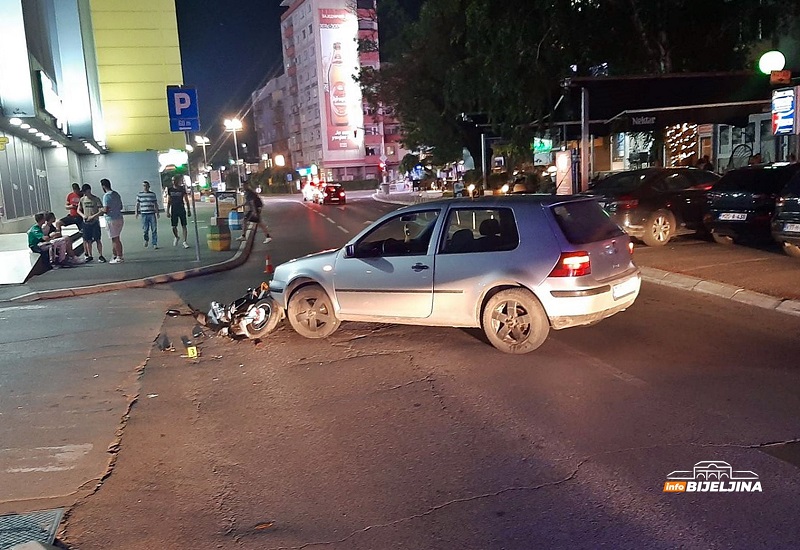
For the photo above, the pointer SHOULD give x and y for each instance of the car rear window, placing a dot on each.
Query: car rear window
(624, 182)
(585, 222)
(756, 180)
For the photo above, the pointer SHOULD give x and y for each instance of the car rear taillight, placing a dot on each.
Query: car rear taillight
(630, 247)
(341, 193)
(625, 202)
(572, 264)
(703, 186)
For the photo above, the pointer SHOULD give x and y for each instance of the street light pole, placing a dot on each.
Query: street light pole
(203, 141)
(234, 125)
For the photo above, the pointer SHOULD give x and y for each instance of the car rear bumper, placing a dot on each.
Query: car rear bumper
(575, 307)
(780, 234)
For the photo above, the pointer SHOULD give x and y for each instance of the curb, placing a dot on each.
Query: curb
(721, 290)
(238, 259)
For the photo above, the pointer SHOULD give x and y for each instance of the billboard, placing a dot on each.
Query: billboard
(343, 118)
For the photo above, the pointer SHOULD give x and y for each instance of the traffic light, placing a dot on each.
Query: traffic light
(383, 166)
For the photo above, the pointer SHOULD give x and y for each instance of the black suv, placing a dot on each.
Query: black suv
(742, 203)
(786, 220)
(655, 204)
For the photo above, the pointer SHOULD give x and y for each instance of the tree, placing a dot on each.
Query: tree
(506, 60)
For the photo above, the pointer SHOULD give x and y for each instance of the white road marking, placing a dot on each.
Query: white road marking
(343, 229)
(330, 220)
(45, 459)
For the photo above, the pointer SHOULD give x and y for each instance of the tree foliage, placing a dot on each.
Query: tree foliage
(501, 63)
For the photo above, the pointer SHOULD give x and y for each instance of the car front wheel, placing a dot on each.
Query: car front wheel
(659, 228)
(310, 312)
(515, 322)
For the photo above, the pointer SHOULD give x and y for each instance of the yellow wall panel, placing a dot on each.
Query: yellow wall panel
(138, 56)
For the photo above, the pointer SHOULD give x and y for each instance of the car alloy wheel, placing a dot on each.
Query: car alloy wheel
(514, 321)
(310, 312)
(658, 229)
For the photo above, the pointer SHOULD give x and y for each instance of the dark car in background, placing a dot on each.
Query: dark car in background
(786, 219)
(655, 204)
(331, 193)
(742, 203)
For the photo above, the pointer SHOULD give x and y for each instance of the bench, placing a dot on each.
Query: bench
(18, 263)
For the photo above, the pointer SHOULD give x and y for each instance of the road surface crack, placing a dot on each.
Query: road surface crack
(438, 507)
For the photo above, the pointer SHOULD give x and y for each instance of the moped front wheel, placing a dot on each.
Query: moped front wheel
(262, 319)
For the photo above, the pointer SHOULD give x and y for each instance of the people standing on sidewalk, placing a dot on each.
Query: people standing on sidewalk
(178, 209)
(90, 208)
(71, 204)
(112, 204)
(147, 206)
(254, 205)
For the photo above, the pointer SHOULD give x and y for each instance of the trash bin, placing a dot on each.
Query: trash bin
(219, 236)
(385, 188)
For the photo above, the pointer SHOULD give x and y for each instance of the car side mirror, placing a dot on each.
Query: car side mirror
(350, 251)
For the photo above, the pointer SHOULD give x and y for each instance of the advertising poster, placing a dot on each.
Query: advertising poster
(784, 111)
(342, 95)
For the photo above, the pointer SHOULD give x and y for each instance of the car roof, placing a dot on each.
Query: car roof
(486, 201)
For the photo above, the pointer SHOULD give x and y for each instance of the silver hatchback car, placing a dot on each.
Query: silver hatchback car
(514, 266)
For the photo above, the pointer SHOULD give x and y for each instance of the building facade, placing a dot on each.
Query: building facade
(313, 114)
(82, 97)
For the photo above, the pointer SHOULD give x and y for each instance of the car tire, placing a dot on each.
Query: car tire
(267, 316)
(310, 312)
(727, 240)
(659, 228)
(791, 249)
(514, 321)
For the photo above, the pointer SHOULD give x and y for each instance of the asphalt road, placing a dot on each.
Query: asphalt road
(409, 437)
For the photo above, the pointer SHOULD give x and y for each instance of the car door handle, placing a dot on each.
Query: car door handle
(419, 267)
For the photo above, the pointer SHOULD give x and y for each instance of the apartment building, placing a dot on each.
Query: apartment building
(313, 114)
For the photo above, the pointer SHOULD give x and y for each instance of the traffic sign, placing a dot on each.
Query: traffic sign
(184, 115)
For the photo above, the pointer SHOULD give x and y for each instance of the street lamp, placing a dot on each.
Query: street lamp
(202, 141)
(234, 125)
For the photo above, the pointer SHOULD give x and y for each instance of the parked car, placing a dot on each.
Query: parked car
(786, 220)
(655, 204)
(742, 203)
(331, 193)
(516, 266)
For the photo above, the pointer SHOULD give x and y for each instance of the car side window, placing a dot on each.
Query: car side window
(479, 230)
(404, 235)
(673, 182)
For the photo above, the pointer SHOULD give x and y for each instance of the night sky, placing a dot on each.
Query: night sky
(229, 49)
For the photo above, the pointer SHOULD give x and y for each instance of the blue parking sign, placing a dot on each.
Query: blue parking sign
(184, 115)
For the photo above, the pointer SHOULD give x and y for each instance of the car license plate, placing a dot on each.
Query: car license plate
(733, 216)
(791, 227)
(625, 288)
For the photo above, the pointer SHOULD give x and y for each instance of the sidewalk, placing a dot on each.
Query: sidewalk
(747, 283)
(142, 266)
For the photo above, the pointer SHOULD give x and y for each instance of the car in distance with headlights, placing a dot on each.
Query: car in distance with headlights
(310, 191)
(331, 193)
(785, 222)
(655, 204)
(515, 266)
(741, 204)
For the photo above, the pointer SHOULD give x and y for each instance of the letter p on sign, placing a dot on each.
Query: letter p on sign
(182, 101)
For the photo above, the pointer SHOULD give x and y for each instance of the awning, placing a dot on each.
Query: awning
(640, 103)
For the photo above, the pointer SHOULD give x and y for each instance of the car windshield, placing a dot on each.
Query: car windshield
(623, 182)
(585, 222)
(756, 180)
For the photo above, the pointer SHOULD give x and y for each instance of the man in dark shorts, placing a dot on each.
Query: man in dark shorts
(72, 217)
(178, 209)
(254, 206)
(90, 209)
